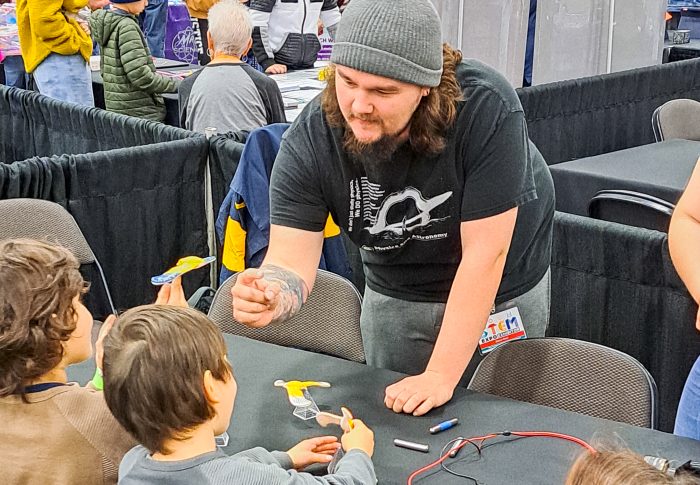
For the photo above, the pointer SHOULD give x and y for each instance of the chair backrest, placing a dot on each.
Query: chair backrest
(573, 375)
(45, 220)
(678, 118)
(679, 53)
(329, 321)
(631, 208)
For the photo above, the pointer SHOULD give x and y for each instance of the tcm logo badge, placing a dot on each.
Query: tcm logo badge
(500, 328)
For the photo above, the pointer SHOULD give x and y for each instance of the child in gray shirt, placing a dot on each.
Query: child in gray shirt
(168, 383)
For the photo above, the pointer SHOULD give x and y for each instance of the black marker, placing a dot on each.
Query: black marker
(411, 445)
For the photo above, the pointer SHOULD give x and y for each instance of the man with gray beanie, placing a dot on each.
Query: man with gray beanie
(424, 160)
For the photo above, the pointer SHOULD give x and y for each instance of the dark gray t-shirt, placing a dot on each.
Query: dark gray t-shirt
(254, 466)
(229, 97)
(405, 214)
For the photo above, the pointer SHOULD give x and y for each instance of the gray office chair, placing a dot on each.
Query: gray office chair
(45, 220)
(678, 118)
(631, 208)
(329, 321)
(573, 375)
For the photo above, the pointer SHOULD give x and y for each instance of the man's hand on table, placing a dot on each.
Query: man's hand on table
(419, 394)
(276, 69)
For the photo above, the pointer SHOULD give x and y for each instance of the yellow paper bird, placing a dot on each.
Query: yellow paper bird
(295, 390)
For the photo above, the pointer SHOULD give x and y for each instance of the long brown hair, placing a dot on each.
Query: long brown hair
(432, 119)
(38, 282)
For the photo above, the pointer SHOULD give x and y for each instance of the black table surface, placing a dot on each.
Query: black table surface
(659, 169)
(263, 417)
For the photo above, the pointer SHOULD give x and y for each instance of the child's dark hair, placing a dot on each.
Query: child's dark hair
(38, 282)
(155, 358)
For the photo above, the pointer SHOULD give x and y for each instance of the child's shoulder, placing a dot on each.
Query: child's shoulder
(212, 467)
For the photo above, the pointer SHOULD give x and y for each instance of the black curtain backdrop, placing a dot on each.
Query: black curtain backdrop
(140, 208)
(599, 114)
(35, 125)
(224, 154)
(615, 285)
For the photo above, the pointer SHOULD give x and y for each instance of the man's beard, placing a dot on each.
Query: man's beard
(378, 151)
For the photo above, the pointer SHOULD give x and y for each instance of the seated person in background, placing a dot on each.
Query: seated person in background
(52, 431)
(285, 33)
(176, 420)
(621, 468)
(684, 246)
(131, 84)
(228, 94)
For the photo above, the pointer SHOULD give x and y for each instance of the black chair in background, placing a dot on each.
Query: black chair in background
(631, 208)
(328, 323)
(678, 118)
(45, 220)
(574, 375)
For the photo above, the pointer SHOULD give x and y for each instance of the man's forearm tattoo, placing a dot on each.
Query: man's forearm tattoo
(293, 291)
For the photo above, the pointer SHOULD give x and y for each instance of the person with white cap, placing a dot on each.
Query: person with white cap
(424, 160)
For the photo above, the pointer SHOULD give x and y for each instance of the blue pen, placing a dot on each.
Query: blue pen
(444, 425)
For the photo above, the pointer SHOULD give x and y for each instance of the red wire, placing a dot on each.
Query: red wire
(550, 434)
(523, 434)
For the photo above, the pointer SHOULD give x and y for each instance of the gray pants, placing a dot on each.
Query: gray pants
(400, 335)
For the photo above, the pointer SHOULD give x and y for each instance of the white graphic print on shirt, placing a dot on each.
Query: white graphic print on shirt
(411, 215)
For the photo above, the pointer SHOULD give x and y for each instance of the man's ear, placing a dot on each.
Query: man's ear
(247, 47)
(210, 42)
(425, 92)
(211, 392)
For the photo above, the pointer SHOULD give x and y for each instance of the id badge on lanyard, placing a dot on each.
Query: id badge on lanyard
(501, 327)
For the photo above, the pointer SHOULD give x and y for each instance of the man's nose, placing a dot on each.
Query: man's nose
(362, 104)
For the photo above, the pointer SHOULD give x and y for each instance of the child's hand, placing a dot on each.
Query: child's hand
(314, 450)
(359, 437)
(99, 345)
(85, 26)
(172, 294)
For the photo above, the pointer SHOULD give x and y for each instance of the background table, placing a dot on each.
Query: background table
(679, 52)
(297, 87)
(659, 169)
(263, 417)
(172, 110)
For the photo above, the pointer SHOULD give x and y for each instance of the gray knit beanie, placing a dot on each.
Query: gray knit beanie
(398, 39)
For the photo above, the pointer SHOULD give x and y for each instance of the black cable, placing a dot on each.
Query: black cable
(452, 472)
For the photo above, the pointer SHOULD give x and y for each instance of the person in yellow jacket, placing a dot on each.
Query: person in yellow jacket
(56, 48)
(199, 9)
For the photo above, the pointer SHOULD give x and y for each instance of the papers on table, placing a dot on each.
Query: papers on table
(298, 88)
